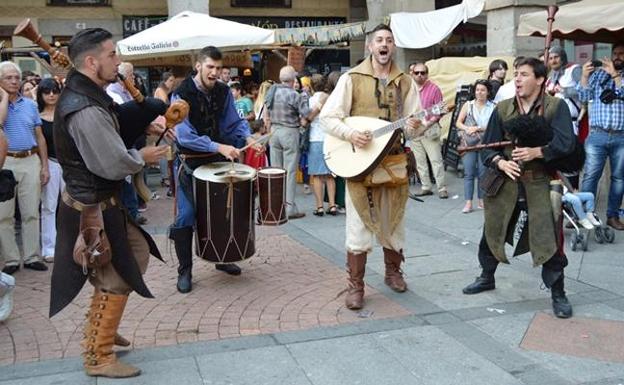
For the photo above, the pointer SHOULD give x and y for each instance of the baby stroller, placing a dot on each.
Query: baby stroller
(580, 237)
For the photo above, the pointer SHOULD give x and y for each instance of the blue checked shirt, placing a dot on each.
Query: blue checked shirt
(21, 121)
(605, 116)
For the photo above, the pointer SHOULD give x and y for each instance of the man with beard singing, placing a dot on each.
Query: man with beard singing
(375, 88)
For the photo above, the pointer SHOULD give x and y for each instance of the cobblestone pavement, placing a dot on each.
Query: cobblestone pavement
(284, 287)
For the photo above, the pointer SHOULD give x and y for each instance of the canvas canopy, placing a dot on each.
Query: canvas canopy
(587, 20)
(451, 72)
(188, 32)
(424, 29)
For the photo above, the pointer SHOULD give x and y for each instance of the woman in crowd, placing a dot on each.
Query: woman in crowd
(319, 173)
(47, 95)
(162, 92)
(28, 89)
(471, 123)
(165, 87)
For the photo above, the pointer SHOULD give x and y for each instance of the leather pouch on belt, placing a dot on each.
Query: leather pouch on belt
(491, 181)
(391, 172)
(92, 248)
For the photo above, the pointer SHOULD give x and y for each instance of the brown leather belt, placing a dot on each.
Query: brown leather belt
(23, 154)
(79, 206)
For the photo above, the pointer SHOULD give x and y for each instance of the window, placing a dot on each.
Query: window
(262, 3)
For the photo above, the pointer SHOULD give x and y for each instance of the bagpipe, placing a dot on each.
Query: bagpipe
(133, 116)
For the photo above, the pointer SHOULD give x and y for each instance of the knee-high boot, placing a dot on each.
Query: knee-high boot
(356, 268)
(554, 280)
(100, 331)
(394, 276)
(183, 239)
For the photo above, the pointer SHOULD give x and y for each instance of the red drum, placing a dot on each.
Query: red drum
(272, 196)
(224, 206)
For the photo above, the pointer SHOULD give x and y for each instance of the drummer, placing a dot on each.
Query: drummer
(212, 132)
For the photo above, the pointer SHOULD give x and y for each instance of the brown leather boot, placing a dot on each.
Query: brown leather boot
(119, 339)
(100, 335)
(356, 267)
(394, 276)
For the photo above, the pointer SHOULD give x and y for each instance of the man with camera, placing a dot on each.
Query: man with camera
(606, 120)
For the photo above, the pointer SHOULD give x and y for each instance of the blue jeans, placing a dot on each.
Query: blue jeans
(473, 167)
(129, 199)
(598, 146)
(578, 200)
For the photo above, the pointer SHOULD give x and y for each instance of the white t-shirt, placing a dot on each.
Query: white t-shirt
(317, 134)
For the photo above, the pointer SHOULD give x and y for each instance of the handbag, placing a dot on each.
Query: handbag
(391, 172)
(491, 181)
(470, 140)
(7, 185)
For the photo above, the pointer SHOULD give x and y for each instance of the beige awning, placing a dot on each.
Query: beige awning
(589, 20)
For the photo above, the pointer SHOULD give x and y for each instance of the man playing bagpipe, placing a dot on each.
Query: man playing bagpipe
(96, 239)
(544, 142)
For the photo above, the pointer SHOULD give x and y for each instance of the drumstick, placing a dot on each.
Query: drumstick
(260, 140)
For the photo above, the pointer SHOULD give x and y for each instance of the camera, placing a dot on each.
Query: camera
(607, 96)
(596, 63)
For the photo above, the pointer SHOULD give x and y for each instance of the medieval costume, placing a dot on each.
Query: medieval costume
(91, 151)
(212, 120)
(376, 205)
(531, 192)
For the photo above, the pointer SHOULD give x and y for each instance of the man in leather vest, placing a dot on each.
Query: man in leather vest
(212, 132)
(376, 88)
(527, 186)
(90, 149)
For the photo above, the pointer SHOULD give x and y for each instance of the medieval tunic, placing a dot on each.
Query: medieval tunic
(360, 93)
(93, 156)
(501, 211)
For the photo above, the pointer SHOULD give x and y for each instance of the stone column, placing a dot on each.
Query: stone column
(502, 26)
(296, 57)
(177, 6)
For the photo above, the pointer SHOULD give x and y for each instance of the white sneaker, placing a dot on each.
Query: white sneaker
(592, 218)
(586, 223)
(306, 189)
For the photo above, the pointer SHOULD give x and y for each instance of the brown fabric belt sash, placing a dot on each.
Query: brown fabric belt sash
(531, 175)
(79, 206)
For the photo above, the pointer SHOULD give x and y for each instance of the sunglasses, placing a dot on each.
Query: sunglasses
(48, 92)
(419, 72)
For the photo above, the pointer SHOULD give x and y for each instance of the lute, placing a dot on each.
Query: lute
(350, 162)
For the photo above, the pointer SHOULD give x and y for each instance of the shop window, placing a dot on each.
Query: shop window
(262, 3)
(85, 3)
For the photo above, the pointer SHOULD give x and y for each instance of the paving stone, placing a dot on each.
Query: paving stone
(353, 360)
(581, 337)
(264, 366)
(175, 371)
(74, 378)
(433, 357)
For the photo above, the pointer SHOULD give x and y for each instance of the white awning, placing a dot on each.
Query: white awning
(424, 29)
(590, 20)
(189, 32)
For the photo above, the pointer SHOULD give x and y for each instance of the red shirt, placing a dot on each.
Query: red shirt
(255, 159)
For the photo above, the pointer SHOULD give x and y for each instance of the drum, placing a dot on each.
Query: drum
(224, 206)
(272, 196)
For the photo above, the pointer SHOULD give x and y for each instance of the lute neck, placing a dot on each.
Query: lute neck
(399, 123)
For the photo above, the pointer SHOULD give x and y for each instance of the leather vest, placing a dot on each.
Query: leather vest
(205, 109)
(387, 99)
(80, 92)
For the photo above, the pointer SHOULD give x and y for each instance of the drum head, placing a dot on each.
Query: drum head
(224, 172)
(271, 171)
